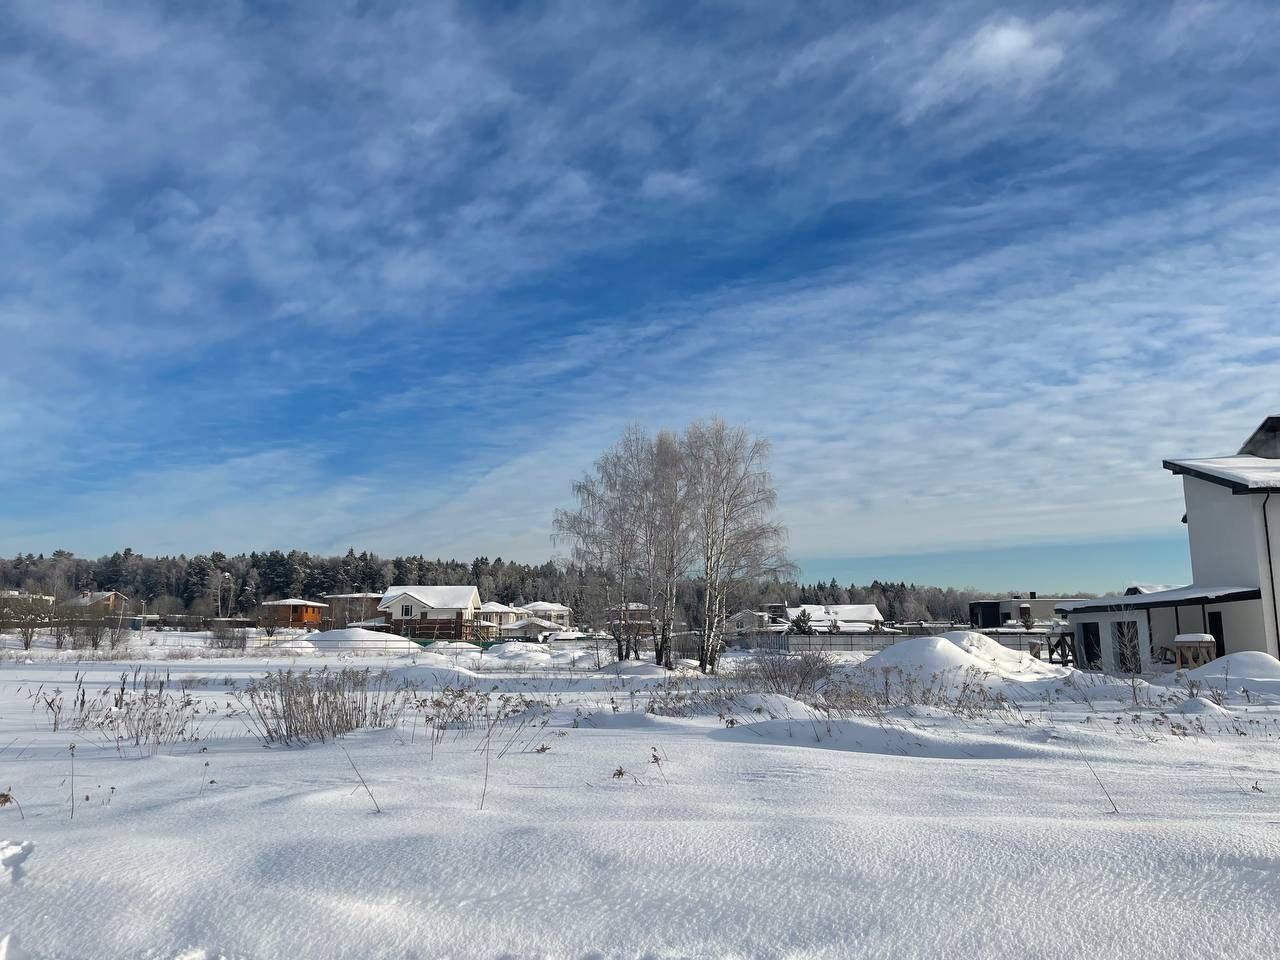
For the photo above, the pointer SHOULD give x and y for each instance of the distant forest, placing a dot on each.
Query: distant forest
(192, 584)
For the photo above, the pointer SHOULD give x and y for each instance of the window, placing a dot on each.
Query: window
(406, 611)
(1124, 646)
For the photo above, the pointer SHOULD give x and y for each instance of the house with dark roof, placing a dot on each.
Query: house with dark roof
(1233, 529)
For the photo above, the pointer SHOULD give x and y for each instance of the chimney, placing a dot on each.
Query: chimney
(1033, 594)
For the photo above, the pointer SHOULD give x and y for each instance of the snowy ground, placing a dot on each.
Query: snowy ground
(955, 804)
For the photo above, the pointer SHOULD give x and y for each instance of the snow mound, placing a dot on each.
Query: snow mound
(1199, 706)
(519, 650)
(295, 646)
(958, 657)
(1247, 665)
(635, 668)
(359, 640)
(924, 657)
(1012, 664)
(452, 646)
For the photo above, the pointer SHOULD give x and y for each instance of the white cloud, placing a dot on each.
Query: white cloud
(1007, 56)
(447, 178)
(671, 184)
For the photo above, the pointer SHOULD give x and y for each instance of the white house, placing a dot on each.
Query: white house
(432, 613)
(557, 613)
(499, 614)
(1233, 525)
(530, 628)
(835, 617)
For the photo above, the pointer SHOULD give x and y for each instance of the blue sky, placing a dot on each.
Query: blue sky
(391, 275)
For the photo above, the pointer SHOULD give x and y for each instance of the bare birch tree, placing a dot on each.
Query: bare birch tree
(656, 509)
(604, 535)
(733, 502)
(674, 549)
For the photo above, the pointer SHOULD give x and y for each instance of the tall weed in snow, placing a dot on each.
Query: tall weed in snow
(294, 708)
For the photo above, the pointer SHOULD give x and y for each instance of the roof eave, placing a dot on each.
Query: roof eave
(1235, 486)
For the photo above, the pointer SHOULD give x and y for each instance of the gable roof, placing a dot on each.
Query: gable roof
(862, 612)
(540, 606)
(530, 622)
(438, 598)
(293, 602)
(89, 598)
(842, 612)
(493, 606)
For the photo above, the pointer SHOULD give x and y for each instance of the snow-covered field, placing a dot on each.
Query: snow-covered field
(944, 798)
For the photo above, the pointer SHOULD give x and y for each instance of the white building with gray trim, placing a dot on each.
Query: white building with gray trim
(1233, 527)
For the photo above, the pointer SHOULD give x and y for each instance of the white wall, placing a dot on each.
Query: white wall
(421, 610)
(1242, 625)
(1228, 549)
(1104, 621)
(1224, 530)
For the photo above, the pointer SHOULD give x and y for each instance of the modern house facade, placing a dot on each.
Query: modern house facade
(432, 613)
(1233, 530)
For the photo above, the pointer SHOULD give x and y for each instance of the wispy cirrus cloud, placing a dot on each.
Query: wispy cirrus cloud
(436, 256)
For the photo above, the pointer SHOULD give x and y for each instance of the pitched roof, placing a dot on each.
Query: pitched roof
(438, 598)
(293, 602)
(843, 612)
(541, 606)
(530, 622)
(493, 606)
(89, 598)
(863, 612)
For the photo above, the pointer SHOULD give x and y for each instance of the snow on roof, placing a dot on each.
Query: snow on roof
(1189, 594)
(493, 606)
(1243, 473)
(531, 622)
(843, 612)
(88, 598)
(1194, 638)
(351, 596)
(293, 602)
(438, 598)
(862, 612)
(543, 606)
